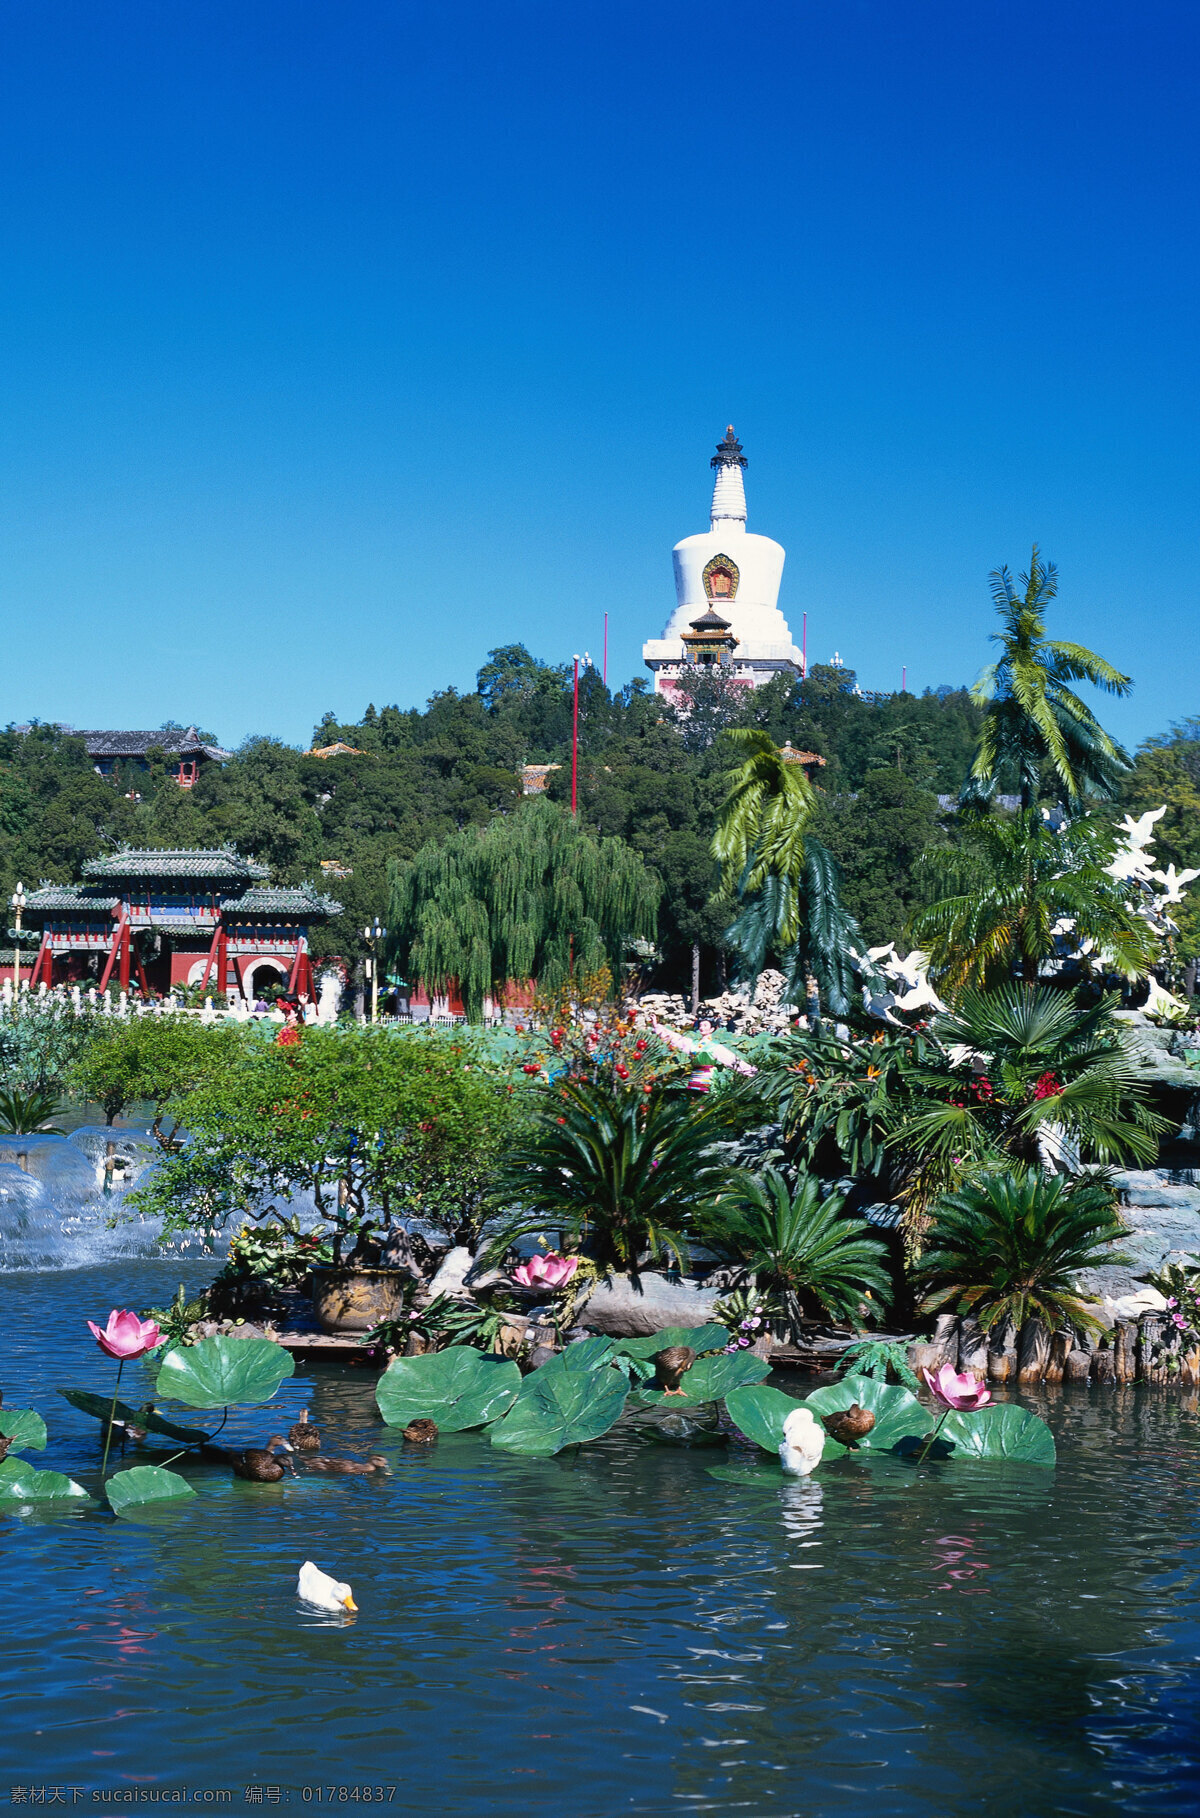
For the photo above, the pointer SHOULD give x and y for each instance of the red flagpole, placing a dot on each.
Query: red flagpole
(604, 677)
(575, 744)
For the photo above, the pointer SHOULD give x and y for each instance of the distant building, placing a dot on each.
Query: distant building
(726, 595)
(534, 777)
(186, 751)
(339, 748)
(183, 917)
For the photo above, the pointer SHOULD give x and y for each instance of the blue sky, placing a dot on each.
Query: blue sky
(339, 344)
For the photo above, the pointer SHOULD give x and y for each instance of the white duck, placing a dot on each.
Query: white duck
(322, 1591)
(803, 1443)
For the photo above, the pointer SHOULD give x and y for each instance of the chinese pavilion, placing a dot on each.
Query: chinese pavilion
(176, 917)
(117, 753)
(730, 577)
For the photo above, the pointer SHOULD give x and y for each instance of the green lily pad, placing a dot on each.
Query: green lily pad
(711, 1379)
(458, 1388)
(1002, 1431)
(218, 1372)
(20, 1482)
(588, 1354)
(712, 1337)
(98, 1407)
(567, 1402)
(142, 1485)
(759, 1412)
(24, 1429)
(898, 1414)
(761, 1477)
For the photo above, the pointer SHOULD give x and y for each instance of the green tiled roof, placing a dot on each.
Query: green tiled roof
(68, 896)
(147, 862)
(280, 900)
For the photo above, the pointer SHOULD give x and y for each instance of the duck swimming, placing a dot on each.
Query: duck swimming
(304, 1437)
(802, 1445)
(348, 1467)
(325, 1593)
(259, 1464)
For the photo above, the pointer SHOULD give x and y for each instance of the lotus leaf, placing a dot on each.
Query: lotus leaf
(24, 1429)
(898, 1414)
(142, 1485)
(588, 1354)
(712, 1378)
(759, 1413)
(761, 1477)
(560, 1405)
(20, 1482)
(712, 1337)
(217, 1372)
(458, 1388)
(98, 1407)
(1001, 1431)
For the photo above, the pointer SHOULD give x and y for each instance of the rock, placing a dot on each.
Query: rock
(451, 1277)
(1078, 1366)
(1033, 1351)
(1104, 1365)
(541, 1354)
(622, 1309)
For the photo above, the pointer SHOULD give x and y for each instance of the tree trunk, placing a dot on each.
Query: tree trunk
(695, 977)
(1033, 1351)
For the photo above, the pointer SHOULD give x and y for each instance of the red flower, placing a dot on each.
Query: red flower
(531, 1067)
(622, 1072)
(1047, 1085)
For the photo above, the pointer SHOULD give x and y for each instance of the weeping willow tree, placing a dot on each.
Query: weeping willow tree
(533, 895)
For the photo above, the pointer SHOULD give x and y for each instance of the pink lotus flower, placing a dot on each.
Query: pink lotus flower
(965, 1392)
(126, 1336)
(546, 1271)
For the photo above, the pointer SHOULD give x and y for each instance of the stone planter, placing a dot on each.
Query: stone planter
(347, 1300)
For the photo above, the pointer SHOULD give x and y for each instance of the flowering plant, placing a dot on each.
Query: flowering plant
(125, 1336)
(551, 1271)
(958, 1394)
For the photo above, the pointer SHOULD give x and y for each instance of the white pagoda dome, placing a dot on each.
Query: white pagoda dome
(730, 569)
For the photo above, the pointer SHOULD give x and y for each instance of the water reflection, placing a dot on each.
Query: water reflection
(614, 1630)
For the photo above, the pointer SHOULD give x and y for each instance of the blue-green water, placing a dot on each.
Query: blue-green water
(607, 1633)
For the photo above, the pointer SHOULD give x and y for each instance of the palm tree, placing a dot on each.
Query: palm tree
(1009, 1246)
(803, 1249)
(787, 882)
(1036, 726)
(623, 1171)
(1005, 893)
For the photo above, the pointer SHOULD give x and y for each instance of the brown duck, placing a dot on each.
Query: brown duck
(670, 1367)
(304, 1437)
(850, 1425)
(347, 1467)
(421, 1432)
(259, 1464)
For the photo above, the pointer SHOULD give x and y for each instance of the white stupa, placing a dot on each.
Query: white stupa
(729, 571)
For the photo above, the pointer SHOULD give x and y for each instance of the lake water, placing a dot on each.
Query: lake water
(612, 1632)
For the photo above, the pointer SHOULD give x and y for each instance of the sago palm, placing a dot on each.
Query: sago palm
(624, 1172)
(1010, 1246)
(29, 1114)
(1043, 1080)
(1035, 726)
(803, 1248)
(1005, 897)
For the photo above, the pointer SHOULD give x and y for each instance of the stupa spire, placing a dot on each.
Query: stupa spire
(729, 494)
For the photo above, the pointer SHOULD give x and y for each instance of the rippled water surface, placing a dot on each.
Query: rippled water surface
(605, 1633)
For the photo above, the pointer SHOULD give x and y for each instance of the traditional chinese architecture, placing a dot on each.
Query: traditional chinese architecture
(728, 575)
(121, 754)
(164, 918)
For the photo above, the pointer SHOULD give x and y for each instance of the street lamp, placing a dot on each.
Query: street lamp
(18, 903)
(374, 936)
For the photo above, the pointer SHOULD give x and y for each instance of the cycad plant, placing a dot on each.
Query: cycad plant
(29, 1114)
(1043, 1081)
(803, 1249)
(624, 1173)
(1006, 892)
(1010, 1245)
(1036, 729)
